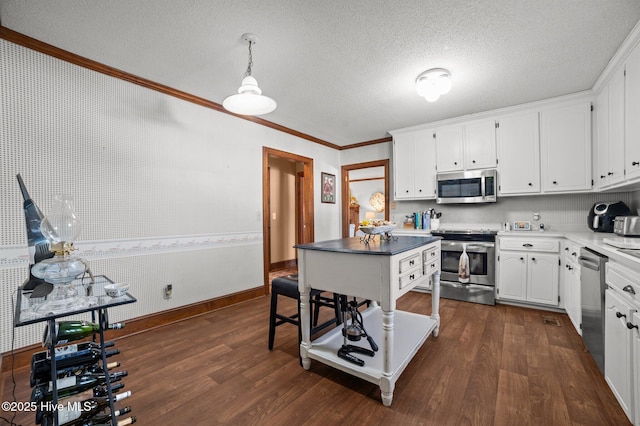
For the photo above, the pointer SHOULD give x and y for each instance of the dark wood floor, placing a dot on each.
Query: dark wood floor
(498, 365)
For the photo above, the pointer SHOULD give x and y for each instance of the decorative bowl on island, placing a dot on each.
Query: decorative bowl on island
(377, 227)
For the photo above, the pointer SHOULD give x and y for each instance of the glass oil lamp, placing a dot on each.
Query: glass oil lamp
(61, 227)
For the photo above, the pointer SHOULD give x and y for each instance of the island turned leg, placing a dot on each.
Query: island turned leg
(435, 302)
(305, 317)
(387, 384)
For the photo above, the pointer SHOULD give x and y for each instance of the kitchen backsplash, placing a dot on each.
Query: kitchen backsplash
(567, 211)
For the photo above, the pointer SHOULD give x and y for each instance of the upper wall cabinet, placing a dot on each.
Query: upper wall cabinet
(518, 154)
(414, 165)
(609, 149)
(449, 149)
(466, 146)
(632, 115)
(565, 147)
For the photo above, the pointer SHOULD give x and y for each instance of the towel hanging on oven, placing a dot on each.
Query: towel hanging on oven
(463, 266)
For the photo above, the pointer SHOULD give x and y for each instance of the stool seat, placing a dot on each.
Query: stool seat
(288, 287)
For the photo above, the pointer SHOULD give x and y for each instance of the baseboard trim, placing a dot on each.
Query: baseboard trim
(22, 356)
(284, 264)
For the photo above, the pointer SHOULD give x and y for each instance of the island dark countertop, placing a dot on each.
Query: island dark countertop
(356, 246)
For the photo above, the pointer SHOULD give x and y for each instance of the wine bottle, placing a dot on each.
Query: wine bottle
(79, 417)
(41, 370)
(44, 376)
(68, 331)
(105, 418)
(70, 350)
(38, 244)
(72, 385)
(124, 422)
(76, 413)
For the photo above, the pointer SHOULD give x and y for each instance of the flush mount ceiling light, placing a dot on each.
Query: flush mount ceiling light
(433, 83)
(249, 100)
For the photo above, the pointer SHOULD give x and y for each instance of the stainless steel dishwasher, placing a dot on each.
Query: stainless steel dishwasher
(592, 287)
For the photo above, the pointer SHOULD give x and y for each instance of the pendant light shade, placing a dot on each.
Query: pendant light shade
(249, 100)
(433, 83)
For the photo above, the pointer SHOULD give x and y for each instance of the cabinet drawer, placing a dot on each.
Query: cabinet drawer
(430, 254)
(624, 280)
(530, 244)
(431, 265)
(410, 277)
(410, 262)
(570, 251)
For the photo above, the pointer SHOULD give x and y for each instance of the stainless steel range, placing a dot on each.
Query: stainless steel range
(480, 247)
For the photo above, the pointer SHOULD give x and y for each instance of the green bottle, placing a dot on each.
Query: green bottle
(68, 331)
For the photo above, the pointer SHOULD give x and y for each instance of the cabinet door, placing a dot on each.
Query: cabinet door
(542, 278)
(565, 142)
(519, 154)
(617, 350)
(632, 114)
(425, 165)
(403, 169)
(480, 144)
(602, 142)
(616, 128)
(512, 282)
(449, 151)
(574, 308)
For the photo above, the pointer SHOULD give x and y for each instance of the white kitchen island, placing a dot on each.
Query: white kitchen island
(380, 271)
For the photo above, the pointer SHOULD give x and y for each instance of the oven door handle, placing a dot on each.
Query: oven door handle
(471, 245)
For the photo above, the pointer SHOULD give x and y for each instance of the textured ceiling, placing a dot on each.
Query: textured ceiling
(344, 70)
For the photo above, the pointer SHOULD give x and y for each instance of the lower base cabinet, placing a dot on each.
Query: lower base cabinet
(618, 346)
(528, 277)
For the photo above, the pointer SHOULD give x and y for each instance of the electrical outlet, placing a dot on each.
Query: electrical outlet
(536, 216)
(168, 291)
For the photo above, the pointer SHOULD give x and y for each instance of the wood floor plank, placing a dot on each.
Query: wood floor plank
(513, 401)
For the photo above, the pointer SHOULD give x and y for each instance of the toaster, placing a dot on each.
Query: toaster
(627, 226)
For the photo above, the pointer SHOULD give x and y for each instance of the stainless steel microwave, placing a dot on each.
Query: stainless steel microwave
(473, 186)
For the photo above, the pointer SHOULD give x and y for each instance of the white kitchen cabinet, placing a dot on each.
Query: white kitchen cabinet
(618, 350)
(528, 270)
(466, 146)
(414, 165)
(518, 142)
(449, 149)
(609, 147)
(512, 283)
(565, 148)
(570, 284)
(632, 115)
(480, 144)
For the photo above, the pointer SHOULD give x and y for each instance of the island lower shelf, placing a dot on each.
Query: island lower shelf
(410, 331)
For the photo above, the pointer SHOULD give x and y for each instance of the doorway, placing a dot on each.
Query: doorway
(372, 174)
(287, 208)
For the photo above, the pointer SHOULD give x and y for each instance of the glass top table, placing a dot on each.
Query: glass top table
(97, 299)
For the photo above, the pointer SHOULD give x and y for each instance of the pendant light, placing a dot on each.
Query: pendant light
(249, 100)
(433, 83)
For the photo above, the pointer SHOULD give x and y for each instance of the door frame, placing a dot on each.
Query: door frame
(345, 190)
(306, 215)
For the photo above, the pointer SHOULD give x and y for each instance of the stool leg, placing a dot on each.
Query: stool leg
(336, 303)
(272, 319)
(316, 310)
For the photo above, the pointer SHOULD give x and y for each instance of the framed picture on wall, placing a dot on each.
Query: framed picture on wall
(328, 194)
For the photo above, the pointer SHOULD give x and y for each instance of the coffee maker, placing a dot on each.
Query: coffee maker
(602, 215)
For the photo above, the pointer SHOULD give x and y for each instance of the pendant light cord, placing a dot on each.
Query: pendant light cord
(247, 73)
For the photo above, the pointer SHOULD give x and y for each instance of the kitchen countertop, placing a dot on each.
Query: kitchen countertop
(589, 239)
(374, 246)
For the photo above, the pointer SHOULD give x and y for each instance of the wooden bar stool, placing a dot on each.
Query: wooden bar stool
(288, 287)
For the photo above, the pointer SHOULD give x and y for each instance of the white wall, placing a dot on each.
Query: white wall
(168, 191)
